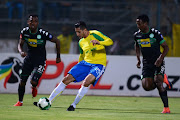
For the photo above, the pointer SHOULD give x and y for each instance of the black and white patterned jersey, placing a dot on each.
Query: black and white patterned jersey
(36, 42)
(149, 43)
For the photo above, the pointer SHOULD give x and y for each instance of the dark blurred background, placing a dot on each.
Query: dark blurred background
(114, 18)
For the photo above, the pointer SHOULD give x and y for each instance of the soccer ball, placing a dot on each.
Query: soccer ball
(44, 103)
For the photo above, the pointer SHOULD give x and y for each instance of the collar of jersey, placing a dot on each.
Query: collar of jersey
(35, 32)
(147, 32)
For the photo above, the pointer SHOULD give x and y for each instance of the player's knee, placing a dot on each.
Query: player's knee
(86, 83)
(158, 79)
(146, 88)
(158, 82)
(159, 85)
(68, 79)
(34, 83)
(22, 83)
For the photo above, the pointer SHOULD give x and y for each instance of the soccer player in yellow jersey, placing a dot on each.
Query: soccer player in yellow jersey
(91, 66)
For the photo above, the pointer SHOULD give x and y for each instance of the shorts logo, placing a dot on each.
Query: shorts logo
(98, 71)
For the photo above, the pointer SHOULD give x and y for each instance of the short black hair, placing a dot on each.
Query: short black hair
(81, 24)
(144, 18)
(32, 15)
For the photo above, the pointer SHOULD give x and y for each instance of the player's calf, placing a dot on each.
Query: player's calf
(34, 91)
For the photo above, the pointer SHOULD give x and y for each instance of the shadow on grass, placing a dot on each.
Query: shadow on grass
(116, 110)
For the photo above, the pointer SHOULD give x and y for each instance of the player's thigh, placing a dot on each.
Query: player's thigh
(159, 73)
(148, 76)
(89, 80)
(158, 78)
(148, 84)
(27, 68)
(95, 73)
(80, 71)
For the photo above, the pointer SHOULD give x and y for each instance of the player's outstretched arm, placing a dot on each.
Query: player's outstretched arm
(58, 58)
(103, 39)
(20, 48)
(107, 42)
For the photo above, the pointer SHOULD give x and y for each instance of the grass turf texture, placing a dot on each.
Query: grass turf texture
(90, 108)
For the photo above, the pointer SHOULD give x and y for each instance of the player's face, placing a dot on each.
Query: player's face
(141, 25)
(80, 33)
(33, 23)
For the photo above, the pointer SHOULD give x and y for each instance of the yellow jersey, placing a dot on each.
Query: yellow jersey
(65, 43)
(94, 54)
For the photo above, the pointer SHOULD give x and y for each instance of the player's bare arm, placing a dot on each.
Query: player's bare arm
(58, 58)
(161, 57)
(138, 55)
(20, 48)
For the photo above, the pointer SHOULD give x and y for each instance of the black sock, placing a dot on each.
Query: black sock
(164, 98)
(21, 91)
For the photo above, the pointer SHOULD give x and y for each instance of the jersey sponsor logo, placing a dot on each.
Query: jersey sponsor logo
(32, 42)
(145, 42)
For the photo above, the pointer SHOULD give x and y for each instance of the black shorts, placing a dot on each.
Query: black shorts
(33, 67)
(150, 70)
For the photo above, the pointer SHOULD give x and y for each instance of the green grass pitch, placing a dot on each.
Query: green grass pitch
(90, 108)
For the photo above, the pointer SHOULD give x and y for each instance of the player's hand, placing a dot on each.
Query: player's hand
(158, 62)
(23, 54)
(94, 42)
(138, 64)
(58, 60)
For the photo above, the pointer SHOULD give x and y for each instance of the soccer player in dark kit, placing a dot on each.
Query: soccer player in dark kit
(148, 41)
(35, 58)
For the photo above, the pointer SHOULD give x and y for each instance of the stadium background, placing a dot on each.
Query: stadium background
(115, 18)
